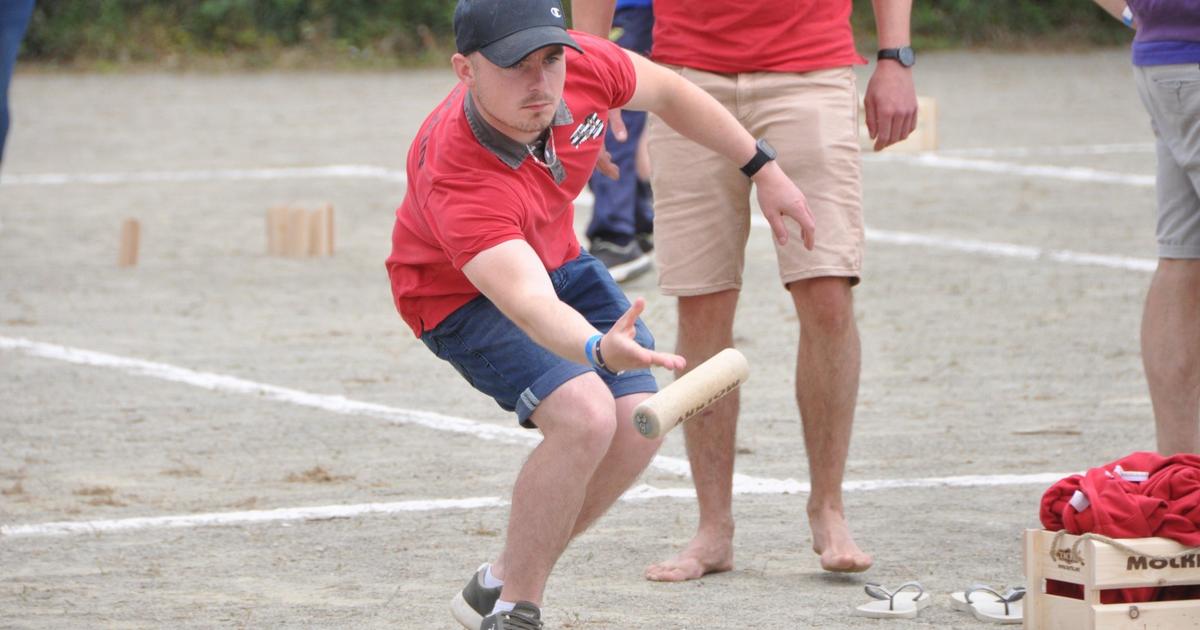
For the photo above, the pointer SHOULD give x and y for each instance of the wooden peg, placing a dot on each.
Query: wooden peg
(277, 228)
(329, 229)
(298, 233)
(130, 240)
(321, 241)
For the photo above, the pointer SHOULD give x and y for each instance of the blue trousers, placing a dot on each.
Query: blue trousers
(623, 207)
(14, 18)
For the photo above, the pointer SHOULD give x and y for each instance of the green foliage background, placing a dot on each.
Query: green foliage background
(403, 32)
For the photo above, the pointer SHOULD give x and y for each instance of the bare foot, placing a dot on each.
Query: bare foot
(833, 542)
(702, 556)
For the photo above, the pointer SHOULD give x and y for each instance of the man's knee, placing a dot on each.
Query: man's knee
(824, 304)
(708, 314)
(580, 415)
(595, 429)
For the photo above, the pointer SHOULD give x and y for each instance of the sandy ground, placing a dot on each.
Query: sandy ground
(974, 364)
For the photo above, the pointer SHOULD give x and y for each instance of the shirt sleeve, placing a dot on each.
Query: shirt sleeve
(611, 65)
(467, 217)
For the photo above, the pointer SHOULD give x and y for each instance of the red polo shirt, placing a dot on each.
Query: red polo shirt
(470, 189)
(729, 36)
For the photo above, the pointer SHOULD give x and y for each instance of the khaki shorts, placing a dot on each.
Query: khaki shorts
(702, 200)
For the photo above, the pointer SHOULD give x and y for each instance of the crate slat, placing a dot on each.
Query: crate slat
(1100, 566)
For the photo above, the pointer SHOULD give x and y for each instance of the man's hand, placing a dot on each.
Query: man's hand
(778, 197)
(621, 352)
(616, 126)
(891, 104)
(1117, 9)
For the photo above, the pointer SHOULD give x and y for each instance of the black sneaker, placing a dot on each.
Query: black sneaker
(474, 601)
(523, 616)
(624, 262)
(645, 240)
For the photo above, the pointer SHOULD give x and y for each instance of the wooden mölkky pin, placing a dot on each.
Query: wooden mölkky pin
(321, 232)
(296, 233)
(127, 255)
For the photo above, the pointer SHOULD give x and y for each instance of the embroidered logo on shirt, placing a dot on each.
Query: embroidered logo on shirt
(591, 129)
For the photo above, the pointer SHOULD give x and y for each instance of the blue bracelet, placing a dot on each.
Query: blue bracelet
(592, 350)
(589, 349)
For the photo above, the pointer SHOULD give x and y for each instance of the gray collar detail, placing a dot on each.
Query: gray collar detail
(511, 152)
(562, 115)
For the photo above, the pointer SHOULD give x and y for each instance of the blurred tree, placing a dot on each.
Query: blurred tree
(399, 30)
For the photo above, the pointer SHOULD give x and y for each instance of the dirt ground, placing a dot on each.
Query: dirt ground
(979, 358)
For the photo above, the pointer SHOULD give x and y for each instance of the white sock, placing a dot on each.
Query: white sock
(503, 606)
(490, 580)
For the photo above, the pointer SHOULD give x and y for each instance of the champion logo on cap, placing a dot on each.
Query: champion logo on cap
(556, 12)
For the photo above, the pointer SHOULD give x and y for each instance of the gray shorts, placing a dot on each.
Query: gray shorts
(1172, 96)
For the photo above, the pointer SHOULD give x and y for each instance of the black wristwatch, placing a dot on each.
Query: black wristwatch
(904, 55)
(763, 153)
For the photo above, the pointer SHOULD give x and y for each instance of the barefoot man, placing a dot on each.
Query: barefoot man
(784, 69)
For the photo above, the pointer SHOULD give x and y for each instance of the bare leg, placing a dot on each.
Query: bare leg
(628, 455)
(1171, 353)
(706, 328)
(827, 368)
(579, 423)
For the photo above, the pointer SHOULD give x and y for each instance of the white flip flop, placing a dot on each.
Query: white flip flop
(988, 605)
(960, 600)
(893, 604)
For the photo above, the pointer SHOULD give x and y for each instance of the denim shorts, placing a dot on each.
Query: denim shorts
(499, 359)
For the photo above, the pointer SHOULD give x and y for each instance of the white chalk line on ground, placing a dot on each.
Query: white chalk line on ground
(337, 171)
(947, 159)
(325, 402)
(999, 250)
(329, 512)
(1068, 173)
(1006, 250)
(883, 236)
(743, 484)
(1058, 151)
(317, 513)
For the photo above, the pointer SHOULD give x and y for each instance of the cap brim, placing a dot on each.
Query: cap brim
(512, 49)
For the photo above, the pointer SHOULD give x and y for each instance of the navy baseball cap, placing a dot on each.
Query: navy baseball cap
(506, 31)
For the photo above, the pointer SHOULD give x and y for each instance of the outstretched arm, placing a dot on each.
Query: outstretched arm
(512, 276)
(700, 118)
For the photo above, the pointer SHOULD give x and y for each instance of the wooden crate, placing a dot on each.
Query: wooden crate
(1099, 566)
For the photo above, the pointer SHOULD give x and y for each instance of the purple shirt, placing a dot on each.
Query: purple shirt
(1168, 32)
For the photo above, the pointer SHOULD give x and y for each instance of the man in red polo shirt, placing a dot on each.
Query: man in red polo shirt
(486, 269)
(784, 70)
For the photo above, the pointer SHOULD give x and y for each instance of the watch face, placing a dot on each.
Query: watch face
(767, 149)
(905, 56)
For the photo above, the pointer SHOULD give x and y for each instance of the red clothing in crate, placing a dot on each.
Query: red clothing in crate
(1138, 496)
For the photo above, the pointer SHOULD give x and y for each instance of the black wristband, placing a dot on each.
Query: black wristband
(904, 55)
(600, 360)
(763, 153)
